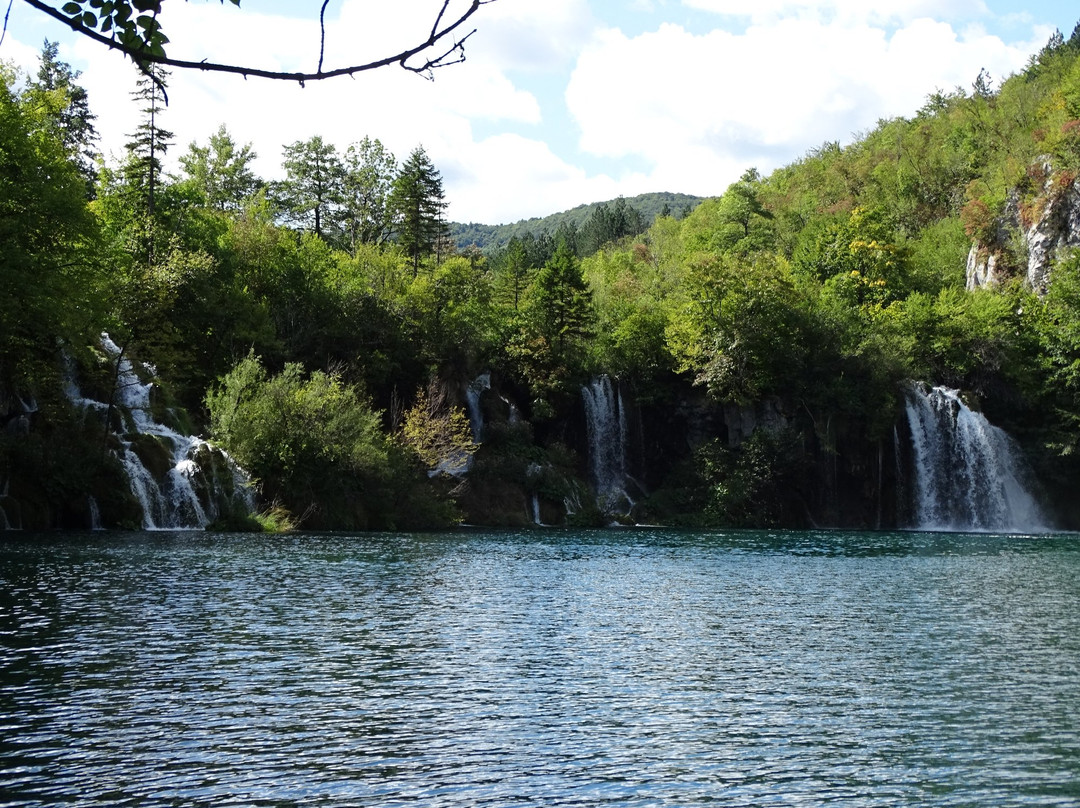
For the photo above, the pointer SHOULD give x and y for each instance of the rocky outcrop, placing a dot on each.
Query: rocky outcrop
(1055, 232)
(1049, 226)
(982, 269)
(742, 420)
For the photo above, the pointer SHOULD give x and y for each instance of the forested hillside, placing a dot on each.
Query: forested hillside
(596, 221)
(327, 332)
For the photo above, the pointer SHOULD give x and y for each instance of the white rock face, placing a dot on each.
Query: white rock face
(1051, 237)
(981, 268)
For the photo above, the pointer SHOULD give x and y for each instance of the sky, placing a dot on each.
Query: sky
(561, 102)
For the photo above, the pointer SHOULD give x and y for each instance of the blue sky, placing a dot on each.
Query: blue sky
(563, 102)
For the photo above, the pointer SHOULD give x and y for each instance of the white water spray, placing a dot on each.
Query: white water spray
(607, 426)
(967, 472)
(170, 503)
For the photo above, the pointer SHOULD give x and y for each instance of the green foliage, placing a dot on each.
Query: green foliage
(132, 23)
(607, 224)
(149, 142)
(550, 345)
(312, 192)
(221, 172)
(1059, 333)
(750, 485)
(369, 178)
(49, 284)
(438, 432)
(68, 109)
(491, 238)
(749, 331)
(825, 286)
(312, 441)
(418, 203)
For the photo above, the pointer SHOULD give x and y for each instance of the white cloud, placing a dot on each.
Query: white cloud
(508, 177)
(400, 108)
(701, 109)
(671, 109)
(847, 11)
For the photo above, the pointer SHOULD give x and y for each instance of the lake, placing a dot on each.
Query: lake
(635, 667)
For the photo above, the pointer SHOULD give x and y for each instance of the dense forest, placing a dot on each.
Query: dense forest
(596, 221)
(328, 333)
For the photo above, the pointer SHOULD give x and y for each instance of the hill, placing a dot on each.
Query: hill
(649, 206)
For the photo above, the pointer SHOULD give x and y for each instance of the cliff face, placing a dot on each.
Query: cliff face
(1048, 226)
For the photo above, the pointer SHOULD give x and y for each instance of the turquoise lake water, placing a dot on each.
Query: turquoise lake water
(550, 668)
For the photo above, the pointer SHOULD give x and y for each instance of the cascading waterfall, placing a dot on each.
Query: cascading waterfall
(967, 472)
(606, 422)
(170, 501)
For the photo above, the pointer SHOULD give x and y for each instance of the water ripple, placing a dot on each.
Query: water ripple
(630, 668)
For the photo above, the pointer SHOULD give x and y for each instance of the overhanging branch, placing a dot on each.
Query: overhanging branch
(452, 55)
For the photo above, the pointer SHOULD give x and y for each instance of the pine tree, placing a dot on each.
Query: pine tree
(418, 204)
(68, 106)
(562, 303)
(149, 142)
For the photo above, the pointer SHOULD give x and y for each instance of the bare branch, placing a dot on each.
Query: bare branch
(6, 15)
(142, 57)
(442, 11)
(322, 33)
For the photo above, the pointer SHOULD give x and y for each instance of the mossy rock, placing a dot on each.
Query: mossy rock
(155, 453)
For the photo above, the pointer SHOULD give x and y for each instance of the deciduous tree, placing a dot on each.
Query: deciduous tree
(369, 178)
(221, 171)
(312, 191)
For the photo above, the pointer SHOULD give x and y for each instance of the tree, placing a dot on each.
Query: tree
(438, 432)
(418, 204)
(132, 27)
(368, 181)
(221, 171)
(556, 321)
(313, 188)
(512, 272)
(608, 223)
(149, 142)
(311, 440)
(54, 87)
(48, 284)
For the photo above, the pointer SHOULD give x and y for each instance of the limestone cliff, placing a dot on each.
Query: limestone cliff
(1047, 226)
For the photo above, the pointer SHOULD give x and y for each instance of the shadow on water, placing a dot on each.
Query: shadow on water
(853, 543)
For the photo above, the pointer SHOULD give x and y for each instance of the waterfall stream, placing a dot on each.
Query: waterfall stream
(968, 475)
(188, 495)
(472, 403)
(606, 422)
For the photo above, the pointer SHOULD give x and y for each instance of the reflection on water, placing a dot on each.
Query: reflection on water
(637, 668)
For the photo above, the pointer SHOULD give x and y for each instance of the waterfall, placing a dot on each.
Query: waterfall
(5, 523)
(95, 513)
(169, 499)
(968, 475)
(472, 403)
(607, 426)
(536, 509)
